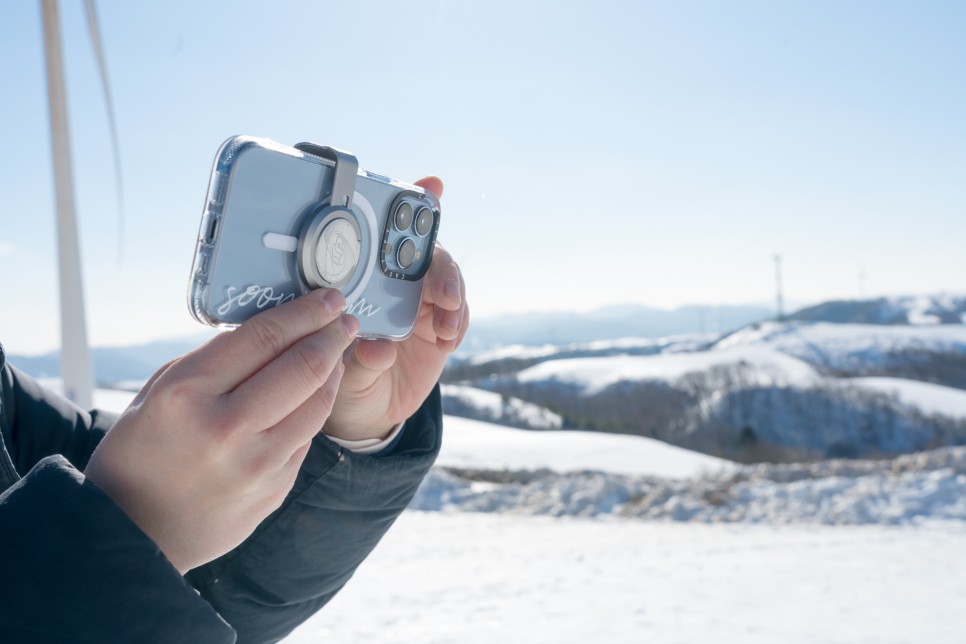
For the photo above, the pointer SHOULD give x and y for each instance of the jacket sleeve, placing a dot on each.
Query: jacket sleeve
(38, 423)
(75, 568)
(340, 507)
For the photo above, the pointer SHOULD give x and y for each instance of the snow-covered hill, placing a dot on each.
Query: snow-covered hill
(593, 375)
(916, 309)
(771, 391)
(850, 347)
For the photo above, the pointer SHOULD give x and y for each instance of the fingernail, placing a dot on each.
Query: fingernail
(334, 300)
(351, 325)
(451, 288)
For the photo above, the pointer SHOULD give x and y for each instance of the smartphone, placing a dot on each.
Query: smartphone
(280, 221)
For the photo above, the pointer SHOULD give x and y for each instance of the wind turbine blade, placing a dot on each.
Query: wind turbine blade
(95, 33)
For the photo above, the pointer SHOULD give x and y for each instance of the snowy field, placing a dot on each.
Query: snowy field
(485, 578)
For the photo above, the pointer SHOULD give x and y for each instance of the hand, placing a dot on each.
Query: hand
(385, 382)
(212, 443)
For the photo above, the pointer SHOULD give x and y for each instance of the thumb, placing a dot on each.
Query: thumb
(366, 361)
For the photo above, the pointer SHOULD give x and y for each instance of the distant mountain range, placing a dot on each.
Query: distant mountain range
(609, 323)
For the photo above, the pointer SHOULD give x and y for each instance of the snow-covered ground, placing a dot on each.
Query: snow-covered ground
(911, 489)
(475, 444)
(474, 578)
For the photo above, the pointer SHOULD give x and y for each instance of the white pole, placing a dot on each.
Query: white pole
(75, 357)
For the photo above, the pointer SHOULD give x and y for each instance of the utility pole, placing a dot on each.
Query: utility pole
(779, 300)
(75, 357)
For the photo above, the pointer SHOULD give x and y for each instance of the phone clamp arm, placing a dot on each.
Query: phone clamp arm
(346, 169)
(330, 243)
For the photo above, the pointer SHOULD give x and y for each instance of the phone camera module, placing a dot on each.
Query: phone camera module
(406, 254)
(424, 222)
(403, 218)
(410, 224)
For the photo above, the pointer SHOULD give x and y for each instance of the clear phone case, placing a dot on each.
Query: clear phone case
(261, 218)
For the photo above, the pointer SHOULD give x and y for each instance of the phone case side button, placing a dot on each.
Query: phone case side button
(210, 227)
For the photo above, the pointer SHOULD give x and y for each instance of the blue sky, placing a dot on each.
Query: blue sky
(594, 153)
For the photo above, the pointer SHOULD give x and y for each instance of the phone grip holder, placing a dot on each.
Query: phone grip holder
(330, 243)
(346, 169)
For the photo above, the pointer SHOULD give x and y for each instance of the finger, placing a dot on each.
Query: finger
(368, 360)
(300, 426)
(424, 323)
(285, 383)
(231, 358)
(444, 282)
(448, 324)
(464, 326)
(433, 184)
(453, 345)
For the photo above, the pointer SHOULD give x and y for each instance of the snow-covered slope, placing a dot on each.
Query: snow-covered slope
(475, 444)
(592, 375)
(848, 347)
(470, 402)
(621, 346)
(759, 396)
(912, 309)
(926, 397)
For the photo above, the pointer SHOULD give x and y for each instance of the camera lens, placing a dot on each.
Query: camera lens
(406, 254)
(404, 217)
(424, 222)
